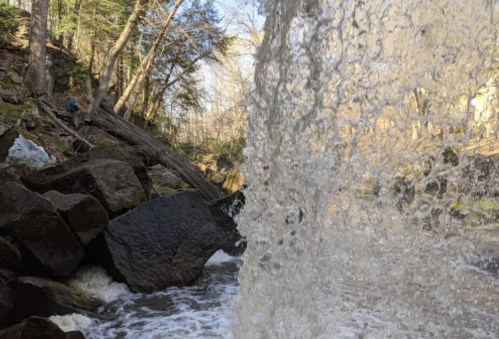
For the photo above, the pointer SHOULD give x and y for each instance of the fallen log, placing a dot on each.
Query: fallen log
(135, 136)
(51, 114)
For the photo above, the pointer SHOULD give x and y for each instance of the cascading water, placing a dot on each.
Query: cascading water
(361, 127)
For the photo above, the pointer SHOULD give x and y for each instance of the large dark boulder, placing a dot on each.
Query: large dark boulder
(113, 183)
(10, 257)
(8, 177)
(163, 243)
(34, 328)
(82, 213)
(75, 335)
(226, 212)
(7, 301)
(45, 241)
(110, 153)
(45, 298)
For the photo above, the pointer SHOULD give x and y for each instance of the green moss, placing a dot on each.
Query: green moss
(6, 85)
(28, 103)
(6, 142)
(10, 114)
(476, 211)
(55, 145)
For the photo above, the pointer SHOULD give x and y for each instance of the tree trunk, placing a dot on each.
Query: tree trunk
(35, 73)
(135, 136)
(113, 53)
(73, 20)
(147, 63)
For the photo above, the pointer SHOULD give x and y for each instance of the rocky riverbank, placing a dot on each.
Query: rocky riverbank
(64, 207)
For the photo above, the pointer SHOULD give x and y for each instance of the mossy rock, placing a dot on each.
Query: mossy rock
(55, 145)
(11, 114)
(233, 182)
(6, 142)
(6, 85)
(30, 106)
(15, 78)
(476, 212)
(215, 177)
(101, 139)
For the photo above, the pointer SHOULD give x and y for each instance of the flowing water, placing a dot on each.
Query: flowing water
(364, 115)
(201, 311)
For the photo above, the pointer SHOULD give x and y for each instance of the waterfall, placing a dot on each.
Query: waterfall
(361, 126)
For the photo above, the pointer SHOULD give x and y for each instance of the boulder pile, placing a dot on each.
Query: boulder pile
(97, 208)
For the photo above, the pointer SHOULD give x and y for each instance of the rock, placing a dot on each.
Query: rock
(7, 177)
(34, 328)
(436, 187)
(223, 163)
(10, 257)
(16, 149)
(163, 243)
(82, 213)
(233, 182)
(4, 129)
(164, 179)
(15, 78)
(45, 298)
(113, 183)
(80, 147)
(479, 178)
(226, 212)
(45, 241)
(111, 153)
(7, 301)
(215, 177)
(9, 93)
(11, 114)
(75, 335)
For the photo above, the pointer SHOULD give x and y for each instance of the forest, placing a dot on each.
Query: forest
(178, 69)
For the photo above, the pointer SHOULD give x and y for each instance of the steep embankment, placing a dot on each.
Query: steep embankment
(64, 206)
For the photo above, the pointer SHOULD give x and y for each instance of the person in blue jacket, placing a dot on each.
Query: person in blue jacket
(73, 108)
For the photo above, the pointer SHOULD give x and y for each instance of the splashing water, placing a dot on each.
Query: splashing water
(364, 117)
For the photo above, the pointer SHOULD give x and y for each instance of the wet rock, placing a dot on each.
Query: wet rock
(215, 177)
(223, 163)
(437, 187)
(226, 212)
(233, 182)
(75, 335)
(479, 177)
(110, 153)
(34, 328)
(83, 213)
(45, 298)
(46, 242)
(113, 183)
(163, 243)
(10, 257)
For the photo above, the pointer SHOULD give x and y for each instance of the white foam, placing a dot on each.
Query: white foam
(202, 311)
(95, 281)
(72, 322)
(219, 257)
